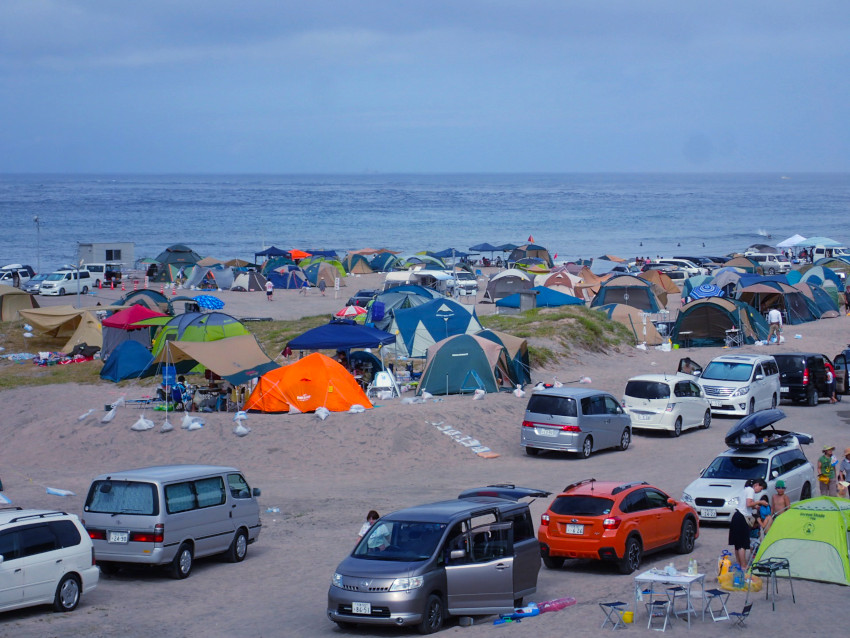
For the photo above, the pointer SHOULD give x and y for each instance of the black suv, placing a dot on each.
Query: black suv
(361, 298)
(802, 376)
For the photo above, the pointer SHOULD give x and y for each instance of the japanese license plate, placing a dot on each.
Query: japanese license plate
(118, 537)
(361, 608)
(708, 512)
(784, 388)
(715, 404)
(575, 529)
(643, 417)
(547, 432)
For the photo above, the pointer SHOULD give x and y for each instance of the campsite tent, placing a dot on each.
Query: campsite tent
(312, 382)
(12, 300)
(384, 262)
(530, 250)
(152, 299)
(545, 298)
(198, 326)
(560, 280)
(128, 360)
(219, 277)
(813, 536)
(517, 349)
(287, 277)
(119, 328)
(636, 320)
(341, 334)
(173, 259)
(249, 282)
(66, 322)
(421, 327)
(237, 359)
(747, 265)
(707, 321)
(386, 303)
(630, 290)
(465, 363)
(506, 283)
(323, 271)
(826, 306)
(356, 263)
(763, 295)
(662, 280)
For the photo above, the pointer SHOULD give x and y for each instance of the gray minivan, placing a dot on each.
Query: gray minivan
(476, 554)
(170, 515)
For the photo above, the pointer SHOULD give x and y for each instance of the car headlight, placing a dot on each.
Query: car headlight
(732, 501)
(406, 584)
(740, 392)
(336, 580)
(687, 498)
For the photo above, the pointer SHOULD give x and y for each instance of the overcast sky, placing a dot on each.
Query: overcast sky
(350, 86)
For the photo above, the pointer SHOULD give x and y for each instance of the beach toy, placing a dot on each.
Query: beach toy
(57, 492)
(556, 605)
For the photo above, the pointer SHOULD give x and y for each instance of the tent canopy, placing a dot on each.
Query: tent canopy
(12, 300)
(341, 333)
(235, 359)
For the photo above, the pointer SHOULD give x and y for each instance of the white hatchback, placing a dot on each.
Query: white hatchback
(666, 402)
(45, 557)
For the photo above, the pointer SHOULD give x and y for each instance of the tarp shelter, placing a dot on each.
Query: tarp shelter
(813, 536)
(323, 271)
(316, 381)
(463, 364)
(119, 328)
(530, 250)
(517, 348)
(386, 303)
(357, 264)
(12, 300)
(506, 283)
(76, 325)
(237, 359)
(198, 326)
(341, 334)
(545, 298)
(220, 277)
(791, 242)
(421, 327)
(636, 320)
(173, 259)
(708, 320)
(271, 251)
(630, 290)
(249, 282)
(128, 360)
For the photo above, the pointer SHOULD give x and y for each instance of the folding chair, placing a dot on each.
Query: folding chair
(680, 593)
(614, 614)
(716, 594)
(658, 609)
(742, 615)
(383, 382)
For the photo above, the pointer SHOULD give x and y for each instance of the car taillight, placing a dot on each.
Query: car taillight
(528, 424)
(612, 522)
(670, 407)
(805, 376)
(571, 428)
(97, 534)
(544, 520)
(148, 537)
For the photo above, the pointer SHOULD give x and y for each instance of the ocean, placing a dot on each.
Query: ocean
(573, 215)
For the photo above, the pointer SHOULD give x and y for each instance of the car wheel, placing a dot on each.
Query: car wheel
(773, 402)
(677, 428)
(85, 290)
(586, 448)
(532, 451)
(432, 617)
(771, 271)
(813, 397)
(625, 439)
(238, 548)
(688, 536)
(553, 562)
(806, 492)
(706, 420)
(109, 569)
(752, 407)
(632, 556)
(67, 594)
(61, 292)
(181, 566)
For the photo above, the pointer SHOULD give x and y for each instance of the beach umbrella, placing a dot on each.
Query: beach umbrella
(350, 312)
(704, 291)
(209, 302)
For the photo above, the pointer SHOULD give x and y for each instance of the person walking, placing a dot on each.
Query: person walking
(322, 286)
(269, 289)
(830, 382)
(774, 318)
(826, 472)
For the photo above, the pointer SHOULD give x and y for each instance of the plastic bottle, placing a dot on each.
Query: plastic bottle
(692, 568)
(738, 578)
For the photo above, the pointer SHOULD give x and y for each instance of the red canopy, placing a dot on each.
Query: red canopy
(125, 319)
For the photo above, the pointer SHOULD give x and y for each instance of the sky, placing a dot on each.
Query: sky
(424, 86)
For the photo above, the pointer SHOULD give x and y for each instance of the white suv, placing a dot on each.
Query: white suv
(684, 264)
(771, 264)
(737, 384)
(45, 557)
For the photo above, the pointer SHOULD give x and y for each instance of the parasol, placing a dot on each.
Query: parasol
(209, 302)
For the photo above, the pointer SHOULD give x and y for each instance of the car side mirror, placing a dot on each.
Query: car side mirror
(774, 474)
(457, 554)
(671, 503)
(759, 377)
(256, 491)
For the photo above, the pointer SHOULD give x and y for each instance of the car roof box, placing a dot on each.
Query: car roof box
(504, 490)
(756, 432)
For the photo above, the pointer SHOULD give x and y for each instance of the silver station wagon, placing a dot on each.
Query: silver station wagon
(580, 420)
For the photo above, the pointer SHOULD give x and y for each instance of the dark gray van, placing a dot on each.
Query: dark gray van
(802, 376)
(476, 554)
(170, 515)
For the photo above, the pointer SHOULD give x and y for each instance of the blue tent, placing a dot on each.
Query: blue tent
(127, 361)
(546, 298)
(272, 251)
(341, 334)
(383, 262)
(291, 279)
(425, 325)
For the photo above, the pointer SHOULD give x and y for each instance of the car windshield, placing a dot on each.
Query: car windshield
(647, 390)
(581, 506)
(736, 467)
(56, 276)
(548, 404)
(400, 541)
(727, 371)
(122, 497)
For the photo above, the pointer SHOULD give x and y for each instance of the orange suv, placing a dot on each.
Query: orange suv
(619, 522)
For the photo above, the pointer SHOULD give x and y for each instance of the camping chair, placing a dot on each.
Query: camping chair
(614, 614)
(383, 382)
(742, 615)
(177, 398)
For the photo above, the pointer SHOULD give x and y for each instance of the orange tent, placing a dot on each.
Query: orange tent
(299, 254)
(312, 382)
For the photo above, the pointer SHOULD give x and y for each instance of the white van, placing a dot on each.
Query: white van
(771, 263)
(819, 252)
(737, 384)
(170, 515)
(64, 282)
(103, 273)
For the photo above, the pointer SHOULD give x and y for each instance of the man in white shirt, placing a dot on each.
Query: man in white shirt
(774, 318)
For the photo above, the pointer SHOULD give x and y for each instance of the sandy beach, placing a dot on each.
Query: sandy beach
(325, 475)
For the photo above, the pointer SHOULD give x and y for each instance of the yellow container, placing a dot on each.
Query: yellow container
(628, 617)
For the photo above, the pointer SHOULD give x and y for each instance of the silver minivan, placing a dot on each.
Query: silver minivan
(170, 515)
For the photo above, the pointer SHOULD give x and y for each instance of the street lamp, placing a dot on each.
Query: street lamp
(37, 242)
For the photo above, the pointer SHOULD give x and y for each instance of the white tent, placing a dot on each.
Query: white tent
(792, 241)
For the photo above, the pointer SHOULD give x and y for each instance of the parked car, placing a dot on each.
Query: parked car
(466, 282)
(15, 274)
(770, 263)
(361, 298)
(580, 420)
(64, 282)
(617, 522)
(476, 554)
(842, 374)
(103, 273)
(684, 264)
(737, 384)
(34, 283)
(666, 402)
(45, 557)
(802, 376)
(757, 450)
(170, 515)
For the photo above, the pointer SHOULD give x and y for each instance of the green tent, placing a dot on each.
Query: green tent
(465, 363)
(812, 535)
(198, 326)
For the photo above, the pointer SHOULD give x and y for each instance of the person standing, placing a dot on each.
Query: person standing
(322, 286)
(269, 289)
(843, 469)
(780, 501)
(743, 520)
(830, 382)
(826, 472)
(371, 517)
(774, 318)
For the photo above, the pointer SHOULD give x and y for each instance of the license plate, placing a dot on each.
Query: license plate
(361, 608)
(783, 389)
(715, 404)
(119, 537)
(708, 512)
(643, 417)
(547, 432)
(575, 529)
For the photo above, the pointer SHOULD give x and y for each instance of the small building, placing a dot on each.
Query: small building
(115, 252)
